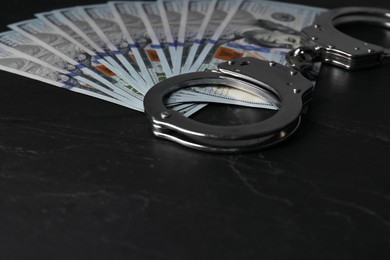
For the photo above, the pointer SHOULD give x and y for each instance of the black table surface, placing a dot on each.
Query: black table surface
(84, 179)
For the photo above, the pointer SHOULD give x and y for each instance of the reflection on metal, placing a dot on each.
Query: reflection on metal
(286, 89)
(326, 43)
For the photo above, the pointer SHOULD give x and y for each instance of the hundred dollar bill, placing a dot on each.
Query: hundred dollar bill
(174, 15)
(189, 110)
(261, 29)
(192, 15)
(223, 13)
(63, 57)
(224, 95)
(21, 66)
(106, 26)
(266, 30)
(55, 42)
(199, 15)
(76, 19)
(84, 48)
(101, 19)
(198, 28)
(26, 48)
(150, 16)
(136, 32)
(136, 35)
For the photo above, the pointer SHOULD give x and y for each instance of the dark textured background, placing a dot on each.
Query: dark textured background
(85, 179)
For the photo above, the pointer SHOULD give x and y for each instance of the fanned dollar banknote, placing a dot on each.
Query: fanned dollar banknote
(119, 50)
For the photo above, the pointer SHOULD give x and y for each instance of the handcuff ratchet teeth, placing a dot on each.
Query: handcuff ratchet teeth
(290, 88)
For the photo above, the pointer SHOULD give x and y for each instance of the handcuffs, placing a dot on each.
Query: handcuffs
(291, 85)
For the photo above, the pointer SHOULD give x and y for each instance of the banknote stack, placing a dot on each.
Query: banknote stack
(119, 50)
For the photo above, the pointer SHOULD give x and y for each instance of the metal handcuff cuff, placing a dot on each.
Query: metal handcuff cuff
(292, 85)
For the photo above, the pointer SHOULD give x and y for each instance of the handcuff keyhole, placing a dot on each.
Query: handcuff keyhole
(245, 63)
